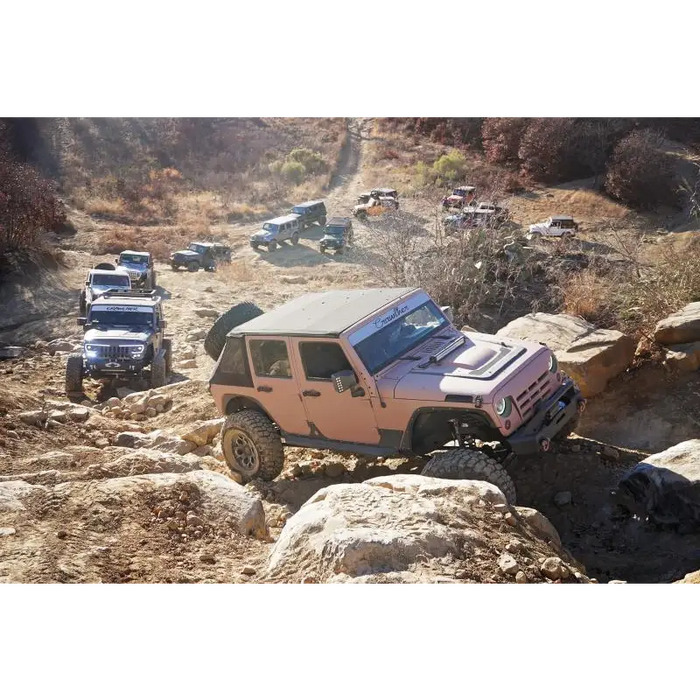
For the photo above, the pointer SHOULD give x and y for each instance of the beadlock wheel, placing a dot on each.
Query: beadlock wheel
(242, 451)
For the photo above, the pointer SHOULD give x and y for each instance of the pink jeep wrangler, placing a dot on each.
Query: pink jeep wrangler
(383, 372)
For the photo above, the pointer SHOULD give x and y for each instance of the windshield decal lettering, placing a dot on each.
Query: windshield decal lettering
(391, 316)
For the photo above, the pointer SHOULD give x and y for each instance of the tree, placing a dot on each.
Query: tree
(501, 138)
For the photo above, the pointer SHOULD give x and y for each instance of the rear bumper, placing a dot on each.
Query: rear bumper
(551, 418)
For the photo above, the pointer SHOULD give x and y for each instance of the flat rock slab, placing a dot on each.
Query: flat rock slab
(680, 327)
(590, 356)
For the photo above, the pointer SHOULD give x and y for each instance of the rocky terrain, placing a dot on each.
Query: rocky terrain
(129, 484)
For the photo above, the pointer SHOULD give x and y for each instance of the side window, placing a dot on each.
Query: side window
(232, 367)
(270, 358)
(321, 360)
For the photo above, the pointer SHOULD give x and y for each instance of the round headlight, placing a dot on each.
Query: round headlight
(503, 406)
(553, 364)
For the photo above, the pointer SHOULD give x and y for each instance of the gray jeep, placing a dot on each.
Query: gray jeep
(124, 335)
(310, 213)
(139, 266)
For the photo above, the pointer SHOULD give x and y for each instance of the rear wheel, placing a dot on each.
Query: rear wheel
(295, 239)
(471, 464)
(158, 371)
(74, 374)
(339, 251)
(235, 316)
(251, 445)
(193, 266)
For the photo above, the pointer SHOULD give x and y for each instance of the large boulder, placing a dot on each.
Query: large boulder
(681, 327)
(590, 356)
(151, 527)
(408, 528)
(664, 489)
(684, 357)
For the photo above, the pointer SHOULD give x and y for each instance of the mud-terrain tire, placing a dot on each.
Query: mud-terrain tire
(74, 374)
(159, 371)
(168, 348)
(235, 316)
(322, 221)
(471, 464)
(251, 445)
(151, 285)
(83, 304)
(295, 239)
(174, 267)
(339, 251)
(323, 248)
(271, 246)
(193, 266)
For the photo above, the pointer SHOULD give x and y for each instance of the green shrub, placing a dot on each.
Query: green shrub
(312, 161)
(293, 172)
(451, 167)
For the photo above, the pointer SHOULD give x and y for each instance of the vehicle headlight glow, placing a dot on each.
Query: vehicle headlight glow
(137, 350)
(91, 351)
(504, 407)
(553, 364)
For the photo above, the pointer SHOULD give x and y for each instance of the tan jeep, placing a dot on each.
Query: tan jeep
(383, 372)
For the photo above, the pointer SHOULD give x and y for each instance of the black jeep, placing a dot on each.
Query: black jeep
(206, 255)
(310, 213)
(337, 235)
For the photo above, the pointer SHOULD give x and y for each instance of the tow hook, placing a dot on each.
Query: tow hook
(581, 405)
(544, 445)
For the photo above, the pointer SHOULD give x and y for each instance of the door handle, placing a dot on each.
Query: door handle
(266, 389)
(311, 392)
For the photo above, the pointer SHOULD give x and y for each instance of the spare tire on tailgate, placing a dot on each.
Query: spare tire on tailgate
(105, 266)
(235, 316)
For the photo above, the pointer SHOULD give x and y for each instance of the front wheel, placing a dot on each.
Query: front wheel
(322, 221)
(193, 266)
(271, 246)
(251, 445)
(74, 374)
(323, 248)
(168, 352)
(83, 304)
(471, 464)
(174, 267)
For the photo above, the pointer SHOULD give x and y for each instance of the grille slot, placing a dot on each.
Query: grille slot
(114, 352)
(527, 399)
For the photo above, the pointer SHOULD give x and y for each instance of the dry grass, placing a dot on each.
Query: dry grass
(238, 271)
(588, 295)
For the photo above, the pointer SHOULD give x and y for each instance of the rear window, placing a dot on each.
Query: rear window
(232, 367)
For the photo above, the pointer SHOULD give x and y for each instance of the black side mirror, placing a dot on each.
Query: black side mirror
(82, 321)
(344, 380)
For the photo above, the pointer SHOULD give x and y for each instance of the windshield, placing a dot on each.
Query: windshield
(398, 337)
(298, 210)
(197, 248)
(110, 316)
(111, 280)
(269, 227)
(136, 259)
(336, 231)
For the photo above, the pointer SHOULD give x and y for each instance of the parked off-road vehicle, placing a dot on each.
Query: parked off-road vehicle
(460, 197)
(98, 281)
(139, 265)
(124, 335)
(368, 205)
(384, 372)
(310, 213)
(275, 231)
(385, 192)
(556, 226)
(337, 235)
(198, 254)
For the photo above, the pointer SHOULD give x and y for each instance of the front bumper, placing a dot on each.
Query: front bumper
(552, 417)
(103, 367)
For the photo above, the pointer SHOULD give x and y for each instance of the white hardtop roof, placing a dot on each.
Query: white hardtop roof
(122, 300)
(562, 216)
(96, 272)
(283, 219)
(134, 252)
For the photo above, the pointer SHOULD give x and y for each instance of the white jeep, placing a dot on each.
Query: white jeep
(557, 226)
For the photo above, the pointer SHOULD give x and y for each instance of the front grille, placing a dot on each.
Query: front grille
(114, 352)
(527, 400)
(134, 275)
